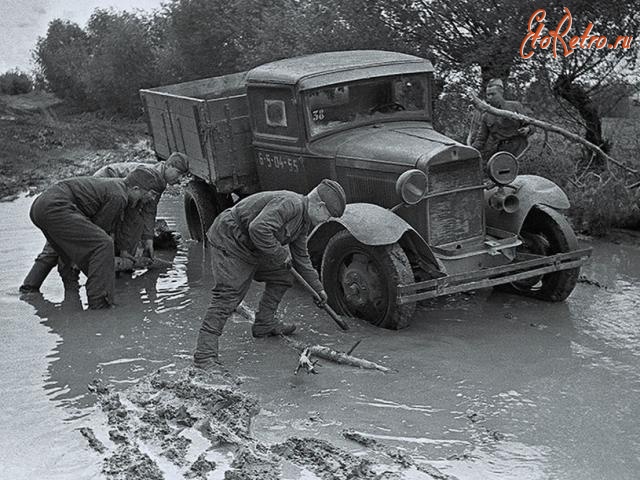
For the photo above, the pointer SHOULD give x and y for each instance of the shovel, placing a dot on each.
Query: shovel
(341, 323)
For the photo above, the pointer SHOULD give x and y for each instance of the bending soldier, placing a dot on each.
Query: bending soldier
(76, 216)
(500, 134)
(260, 238)
(138, 222)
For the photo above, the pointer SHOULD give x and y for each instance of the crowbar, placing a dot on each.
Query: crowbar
(336, 318)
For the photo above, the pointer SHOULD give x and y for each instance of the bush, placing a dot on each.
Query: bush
(599, 202)
(602, 202)
(61, 57)
(15, 82)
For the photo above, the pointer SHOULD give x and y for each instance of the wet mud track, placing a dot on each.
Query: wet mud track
(489, 385)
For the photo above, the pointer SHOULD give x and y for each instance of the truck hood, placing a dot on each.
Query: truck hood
(404, 144)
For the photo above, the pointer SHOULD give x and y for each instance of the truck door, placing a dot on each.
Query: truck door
(277, 142)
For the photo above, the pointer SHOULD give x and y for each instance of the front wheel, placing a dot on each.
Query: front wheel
(362, 281)
(547, 232)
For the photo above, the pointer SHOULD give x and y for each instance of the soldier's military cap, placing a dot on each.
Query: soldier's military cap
(333, 196)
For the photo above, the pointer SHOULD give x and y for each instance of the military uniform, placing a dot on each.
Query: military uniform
(137, 223)
(75, 216)
(500, 134)
(249, 242)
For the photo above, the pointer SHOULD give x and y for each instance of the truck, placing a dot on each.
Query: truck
(426, 216)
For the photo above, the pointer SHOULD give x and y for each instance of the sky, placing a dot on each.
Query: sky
(23, 21)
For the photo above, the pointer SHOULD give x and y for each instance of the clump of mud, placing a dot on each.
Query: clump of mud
(191, 423)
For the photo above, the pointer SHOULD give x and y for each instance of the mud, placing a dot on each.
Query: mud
(154, 423)
(44, 140)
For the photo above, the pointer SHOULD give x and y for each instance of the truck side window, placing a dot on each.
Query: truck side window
(275, 112)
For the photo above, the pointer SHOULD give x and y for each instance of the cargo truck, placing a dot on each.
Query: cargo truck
(426, 216)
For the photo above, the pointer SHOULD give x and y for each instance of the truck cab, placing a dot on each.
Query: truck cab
(425, 216)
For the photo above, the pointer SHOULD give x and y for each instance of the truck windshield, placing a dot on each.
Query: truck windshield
(380, 99)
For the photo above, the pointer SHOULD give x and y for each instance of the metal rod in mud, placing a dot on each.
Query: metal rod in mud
(336, 318)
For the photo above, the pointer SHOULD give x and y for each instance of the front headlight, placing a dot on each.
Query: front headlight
(411, 186)
(502, 168)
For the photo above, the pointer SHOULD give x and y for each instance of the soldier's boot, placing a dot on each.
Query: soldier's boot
(99, 302)
(206, 354)
(266, 324)
(272, 329)
(37, 275)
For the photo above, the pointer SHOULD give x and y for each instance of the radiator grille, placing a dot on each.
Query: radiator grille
(455, 216)
(450, 176)
(372, 187)
(458, 215)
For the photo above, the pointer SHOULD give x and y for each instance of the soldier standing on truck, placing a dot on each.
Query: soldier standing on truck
(249, 242)
(138, 222)
(501, 134)
(77, 215)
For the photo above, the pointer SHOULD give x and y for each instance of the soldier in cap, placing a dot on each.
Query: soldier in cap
(137, 224)
(77, 215)
(261, 238)
(501, 134)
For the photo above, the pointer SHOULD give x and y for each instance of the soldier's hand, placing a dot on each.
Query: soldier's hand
(321, 300)
(123, 264)
(143, 262)
(288, 263)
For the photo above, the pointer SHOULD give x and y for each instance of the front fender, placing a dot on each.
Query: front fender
(531, 190)
(372, 225)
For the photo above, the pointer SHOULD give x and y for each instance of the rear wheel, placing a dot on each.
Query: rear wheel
(202, 205)
(362, 281)
(547, 232)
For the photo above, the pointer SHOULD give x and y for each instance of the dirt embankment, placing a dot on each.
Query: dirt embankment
(189, 423)
(44, 140)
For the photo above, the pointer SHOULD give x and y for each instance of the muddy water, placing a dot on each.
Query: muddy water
(488, 385)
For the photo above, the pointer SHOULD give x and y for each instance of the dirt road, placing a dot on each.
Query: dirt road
(489, 386)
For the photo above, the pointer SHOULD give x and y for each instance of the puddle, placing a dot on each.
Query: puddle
(488, 385)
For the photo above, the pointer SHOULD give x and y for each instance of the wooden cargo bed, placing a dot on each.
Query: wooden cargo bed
(207, 120)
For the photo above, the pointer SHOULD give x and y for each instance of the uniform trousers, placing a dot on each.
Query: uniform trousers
(79, 242)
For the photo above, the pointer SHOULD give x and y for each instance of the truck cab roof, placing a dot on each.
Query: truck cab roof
(321, 69)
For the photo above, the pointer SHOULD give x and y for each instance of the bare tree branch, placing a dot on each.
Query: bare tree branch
(485, 107)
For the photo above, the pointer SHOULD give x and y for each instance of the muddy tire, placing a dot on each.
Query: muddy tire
(201, 206)
(547, 232)
(361, 281)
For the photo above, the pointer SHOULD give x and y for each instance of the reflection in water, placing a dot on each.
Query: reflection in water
(141, 334)
(506, 461)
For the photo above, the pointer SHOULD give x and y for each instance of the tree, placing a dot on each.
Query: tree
(581, 77)
(60, 55)
(461, 33)
(296, 27)
(121, 61)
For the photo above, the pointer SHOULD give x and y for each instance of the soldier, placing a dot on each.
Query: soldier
(138, 223)
(500, 134)
(249, 242)
(76, 216)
